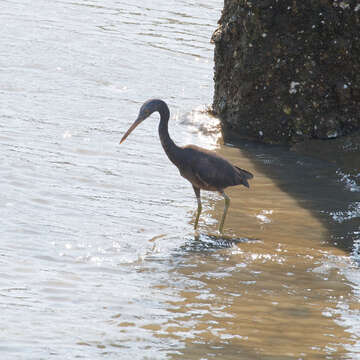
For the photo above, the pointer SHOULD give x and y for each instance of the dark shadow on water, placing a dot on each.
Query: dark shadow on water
(317, 185)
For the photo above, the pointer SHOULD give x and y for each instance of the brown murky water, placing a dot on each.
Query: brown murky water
(98, 257)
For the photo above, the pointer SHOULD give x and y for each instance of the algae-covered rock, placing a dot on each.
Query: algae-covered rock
(289, 70)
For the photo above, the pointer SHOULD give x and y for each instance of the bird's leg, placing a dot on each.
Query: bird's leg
(227, 204)
(197, 193)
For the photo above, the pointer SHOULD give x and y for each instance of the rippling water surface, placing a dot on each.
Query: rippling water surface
(98, 257)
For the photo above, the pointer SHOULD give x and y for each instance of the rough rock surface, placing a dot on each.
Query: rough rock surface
(288, 70)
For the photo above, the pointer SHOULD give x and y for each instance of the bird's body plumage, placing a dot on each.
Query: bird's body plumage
(203, 168)
(208, 171)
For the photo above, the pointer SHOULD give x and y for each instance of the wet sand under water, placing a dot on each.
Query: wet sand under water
(275, 286)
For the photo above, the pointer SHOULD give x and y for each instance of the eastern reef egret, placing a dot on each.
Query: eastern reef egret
(203, 168)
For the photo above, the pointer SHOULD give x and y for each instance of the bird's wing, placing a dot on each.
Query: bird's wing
(214, 172)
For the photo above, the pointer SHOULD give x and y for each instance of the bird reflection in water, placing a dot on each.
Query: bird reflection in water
(204, 169)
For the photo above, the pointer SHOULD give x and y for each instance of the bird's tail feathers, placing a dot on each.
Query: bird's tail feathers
(245, 182)
(245, 176)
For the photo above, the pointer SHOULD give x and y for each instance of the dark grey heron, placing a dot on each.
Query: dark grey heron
(204, 169)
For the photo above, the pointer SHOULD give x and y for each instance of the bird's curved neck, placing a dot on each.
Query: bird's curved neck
(171, 149)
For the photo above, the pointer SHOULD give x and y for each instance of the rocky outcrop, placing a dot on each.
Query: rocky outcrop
(289, 70)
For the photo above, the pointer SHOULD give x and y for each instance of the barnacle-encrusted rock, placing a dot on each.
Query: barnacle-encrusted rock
(288, 70)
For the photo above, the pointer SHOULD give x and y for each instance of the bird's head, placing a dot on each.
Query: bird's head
(145, 111)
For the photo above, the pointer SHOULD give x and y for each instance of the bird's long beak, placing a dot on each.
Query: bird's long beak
(138, 121)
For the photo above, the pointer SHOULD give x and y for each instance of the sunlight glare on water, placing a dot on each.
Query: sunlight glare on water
(98, 257)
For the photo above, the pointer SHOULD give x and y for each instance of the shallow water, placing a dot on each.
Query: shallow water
(98, 257)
